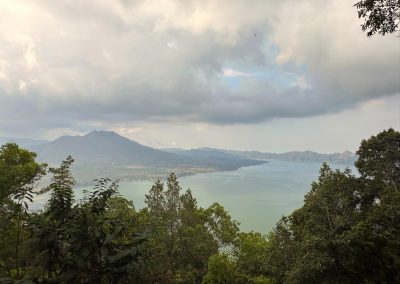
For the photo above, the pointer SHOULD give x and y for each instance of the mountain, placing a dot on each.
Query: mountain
(105, 147)
(105, 153)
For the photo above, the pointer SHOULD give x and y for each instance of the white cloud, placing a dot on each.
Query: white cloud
(171, 44)
(22, 86)
(234, 73)
(129, 130)
(3, 70)
(30, 57)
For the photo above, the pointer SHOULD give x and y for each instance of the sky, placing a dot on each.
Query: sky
(249, 75)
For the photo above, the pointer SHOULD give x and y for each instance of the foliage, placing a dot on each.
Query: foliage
(251, 254)
(347, 230)
(61, 188)
(222, 269)
(19, 174)
(379, 158)
(380, 16)
(92, 241)
(100, 248)
(181, 236)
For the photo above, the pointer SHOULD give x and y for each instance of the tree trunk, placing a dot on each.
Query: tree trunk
(17, 244)
(3, 242)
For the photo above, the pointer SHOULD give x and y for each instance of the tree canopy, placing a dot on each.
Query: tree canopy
(380, 16)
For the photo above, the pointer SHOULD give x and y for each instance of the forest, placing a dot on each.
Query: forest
(347, 231)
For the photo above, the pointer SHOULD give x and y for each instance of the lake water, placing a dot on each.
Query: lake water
(255, 196)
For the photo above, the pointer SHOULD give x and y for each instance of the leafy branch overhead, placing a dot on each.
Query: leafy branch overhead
(380, 16)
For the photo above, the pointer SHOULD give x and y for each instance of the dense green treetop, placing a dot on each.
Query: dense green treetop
(19, 172)
(379, 158)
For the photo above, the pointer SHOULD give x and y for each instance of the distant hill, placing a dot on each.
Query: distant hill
(215, 156)
(105, 153)
(347, 158)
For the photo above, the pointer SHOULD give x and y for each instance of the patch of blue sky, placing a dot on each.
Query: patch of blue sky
(263, 69)
(281, 77)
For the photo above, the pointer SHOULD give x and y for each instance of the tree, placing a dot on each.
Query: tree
(61, 188)
(281, 253)
(48, 230)
(380, 16)
(155, 201)
(251, 254)
(96, 240)
(222, 227)
(19, 176)
(379, 158)
(95, 244)
(222, 270)
(19, 173)
(379, 166)
(182, 236)
(195, 241)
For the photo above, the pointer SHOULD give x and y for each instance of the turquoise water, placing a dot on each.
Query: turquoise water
(255, 196)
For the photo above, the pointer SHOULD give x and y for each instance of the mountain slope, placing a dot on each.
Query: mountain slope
(105, 147)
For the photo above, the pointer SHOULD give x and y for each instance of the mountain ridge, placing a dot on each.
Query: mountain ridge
(346, 157)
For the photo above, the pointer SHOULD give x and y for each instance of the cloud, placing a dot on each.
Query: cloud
(327, 39)
(129, 130)
(302, 83)
(67, 65)
(22, 86)
(226, 72)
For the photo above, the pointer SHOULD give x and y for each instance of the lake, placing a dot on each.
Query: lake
(256, 196)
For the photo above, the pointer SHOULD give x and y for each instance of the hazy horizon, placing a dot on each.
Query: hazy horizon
(42, 141)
